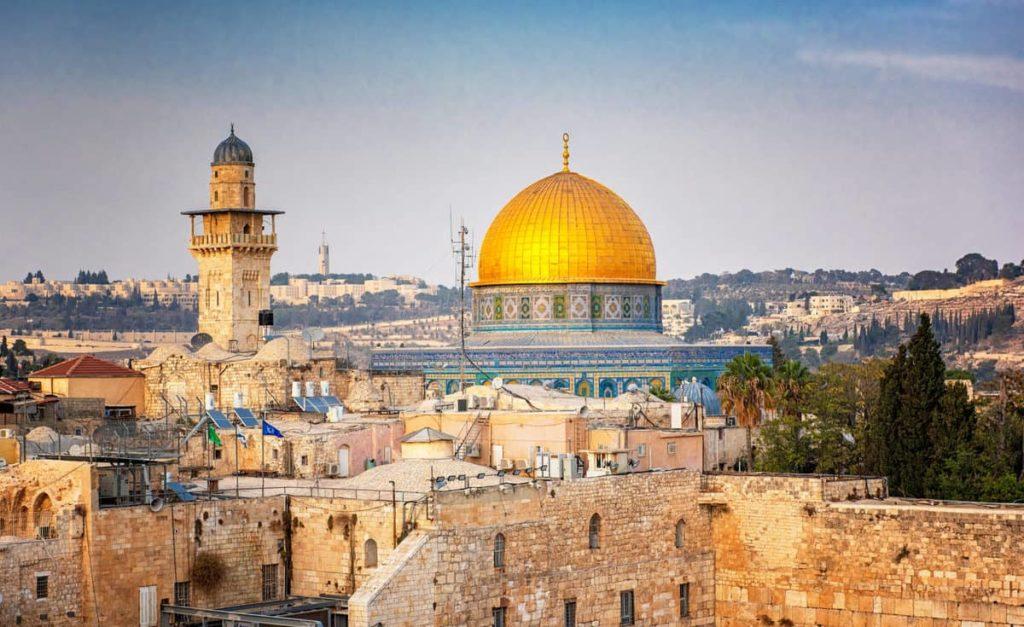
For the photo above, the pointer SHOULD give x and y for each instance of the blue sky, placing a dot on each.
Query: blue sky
(746, 135)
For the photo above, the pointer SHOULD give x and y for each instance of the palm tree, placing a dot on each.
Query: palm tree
(746, 390)
(790, 384)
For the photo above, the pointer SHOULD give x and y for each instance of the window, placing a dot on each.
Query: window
(370, 553)
(626, 607)
(274, 454)
(499, 551)
(216, 196)
(181, 593)
(217, 453)
(684, 600)
(269, 582)
(641, 450)
(305, 460)
(595, 532)
(570, 613)
(149, 613)
(680, 528)
(498, 614)
(245, 193)
(246, 174)
(42, 586)
(671, 448)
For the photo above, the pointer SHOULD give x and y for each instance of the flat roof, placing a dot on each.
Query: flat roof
(203, 212)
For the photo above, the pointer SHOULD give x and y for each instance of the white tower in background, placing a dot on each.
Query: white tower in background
(324, 256)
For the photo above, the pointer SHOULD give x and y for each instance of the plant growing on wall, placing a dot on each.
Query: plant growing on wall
(208, 571)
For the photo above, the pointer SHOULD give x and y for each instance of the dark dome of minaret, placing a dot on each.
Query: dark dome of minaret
(232, 150)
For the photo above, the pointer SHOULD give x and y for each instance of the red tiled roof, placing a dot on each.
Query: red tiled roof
(12, 386)
(85, 366)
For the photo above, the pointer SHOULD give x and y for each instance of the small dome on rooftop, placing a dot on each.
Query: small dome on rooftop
(232, 150)
(693, 391)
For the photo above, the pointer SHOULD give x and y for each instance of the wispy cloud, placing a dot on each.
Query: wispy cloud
(993, 71)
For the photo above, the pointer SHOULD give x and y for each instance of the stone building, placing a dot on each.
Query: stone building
(233, 245)
(121, 390)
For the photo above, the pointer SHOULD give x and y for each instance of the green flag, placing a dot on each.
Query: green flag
(212, 434)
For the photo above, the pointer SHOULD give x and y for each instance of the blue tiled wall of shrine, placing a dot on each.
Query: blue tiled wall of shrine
(595, 371)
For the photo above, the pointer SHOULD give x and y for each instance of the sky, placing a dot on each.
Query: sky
(757, 135)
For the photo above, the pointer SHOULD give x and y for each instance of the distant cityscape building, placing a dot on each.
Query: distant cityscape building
(166, 292)
(233, 250)
(677, 316)
(299, 290)
(824, 304)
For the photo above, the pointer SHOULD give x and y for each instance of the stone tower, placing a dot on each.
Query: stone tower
(324, 257)
(233, 248)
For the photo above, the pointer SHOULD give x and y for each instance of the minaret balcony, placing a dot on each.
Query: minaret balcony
(217, 241)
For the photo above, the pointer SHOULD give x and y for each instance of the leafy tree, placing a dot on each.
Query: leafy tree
(973, 267)
(746, 390)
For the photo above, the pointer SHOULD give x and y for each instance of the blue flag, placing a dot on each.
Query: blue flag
(269, 429)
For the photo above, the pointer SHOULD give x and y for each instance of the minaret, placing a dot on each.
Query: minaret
(233, 249)
(324, 256)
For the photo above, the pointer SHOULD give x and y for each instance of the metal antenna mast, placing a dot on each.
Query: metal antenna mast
(462, 247)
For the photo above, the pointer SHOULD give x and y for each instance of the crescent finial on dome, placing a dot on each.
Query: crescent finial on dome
(565, 152)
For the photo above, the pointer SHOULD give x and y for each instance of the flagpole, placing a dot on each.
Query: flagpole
(263, 456)
(236, 461)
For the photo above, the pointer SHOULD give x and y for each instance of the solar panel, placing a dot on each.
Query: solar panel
(183, 495)
(246, 417)
(219, 419)
(318, 404)
(300, 401)
(332, 401)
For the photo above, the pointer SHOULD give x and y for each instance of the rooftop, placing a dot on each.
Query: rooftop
(85, 366)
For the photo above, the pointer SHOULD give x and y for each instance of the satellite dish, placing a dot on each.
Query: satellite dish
(156, 504)
(497, 382)
(313, 334)
(200, 340)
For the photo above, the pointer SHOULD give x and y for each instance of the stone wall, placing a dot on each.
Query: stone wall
(801, 551)
(401, 592)
(329, 541)
(21, 563)
(131, 547)
(547, 558)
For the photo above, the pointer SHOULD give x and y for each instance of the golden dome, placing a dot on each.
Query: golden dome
(566, 228)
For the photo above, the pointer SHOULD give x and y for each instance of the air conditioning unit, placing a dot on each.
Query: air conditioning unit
(473, 450)
(334, 470)
(472, 401)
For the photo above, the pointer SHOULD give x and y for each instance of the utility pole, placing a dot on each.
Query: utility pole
(463, 250)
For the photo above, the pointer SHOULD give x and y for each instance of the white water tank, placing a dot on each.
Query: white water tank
(296, 389)
(310, 388)
(239, 399)
(677, 416)
(209, 401)
(325, 388)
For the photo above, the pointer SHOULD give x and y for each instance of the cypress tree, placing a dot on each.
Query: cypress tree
(911, 393)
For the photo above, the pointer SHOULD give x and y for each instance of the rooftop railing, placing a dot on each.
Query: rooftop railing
(217, 240)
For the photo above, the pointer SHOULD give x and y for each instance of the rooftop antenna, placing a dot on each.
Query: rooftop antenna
(462, 248)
